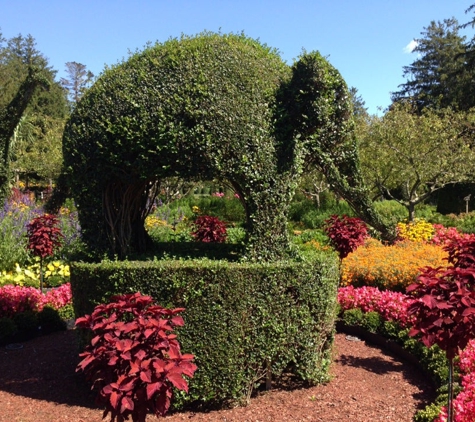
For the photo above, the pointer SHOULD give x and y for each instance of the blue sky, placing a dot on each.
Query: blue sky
(364, 39)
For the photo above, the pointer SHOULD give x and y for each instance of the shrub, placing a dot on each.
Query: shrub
(8, 328)
(392, 267)
(255, 314)
(372, 321)
(50, 320)
(353, 316)
(209, 229)
(134, 359)
(345, 233)
(26, 321)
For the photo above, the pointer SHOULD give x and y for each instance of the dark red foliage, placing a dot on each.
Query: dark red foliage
(345, 233)
(445, 310)
(209, 229)
(44, 235)
(134, 359)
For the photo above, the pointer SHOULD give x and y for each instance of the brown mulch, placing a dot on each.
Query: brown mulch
(38, 383)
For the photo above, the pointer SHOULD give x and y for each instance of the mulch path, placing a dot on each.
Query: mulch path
(38, 383)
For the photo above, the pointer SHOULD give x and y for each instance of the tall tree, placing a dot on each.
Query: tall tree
(78, 80)
(417, 154)
(436, 78)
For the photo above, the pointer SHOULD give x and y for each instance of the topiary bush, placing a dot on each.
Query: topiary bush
(212, 106)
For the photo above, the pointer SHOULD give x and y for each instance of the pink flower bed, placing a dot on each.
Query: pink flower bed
(14, 299)
(393, 306)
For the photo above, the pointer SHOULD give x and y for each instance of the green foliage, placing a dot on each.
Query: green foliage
(7, 329)
(26, 321)
(353, 317)
(280, 314)
(212, 106)
(391, 211)
(50, 320)
(372, 321)
(66, 312)
(428, 414)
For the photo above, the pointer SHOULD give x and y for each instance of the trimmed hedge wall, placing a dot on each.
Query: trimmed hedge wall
(239, 318)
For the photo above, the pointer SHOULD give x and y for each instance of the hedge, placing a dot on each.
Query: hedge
(241, 319)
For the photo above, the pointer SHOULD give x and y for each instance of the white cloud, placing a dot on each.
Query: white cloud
(410, 47)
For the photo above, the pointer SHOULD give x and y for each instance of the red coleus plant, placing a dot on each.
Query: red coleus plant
(444, 312)
(134, 359)
(209, 229)
(345, 233)
(445, 309)
(44, 235)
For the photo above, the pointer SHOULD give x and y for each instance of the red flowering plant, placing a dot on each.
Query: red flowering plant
(345, 233)
(44, 236)
(444, 312)
(134, 359)
(209, 229)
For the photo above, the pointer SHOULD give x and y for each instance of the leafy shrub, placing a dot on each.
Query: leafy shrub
(392, 267)
(372, 321)
(209, 229)
(235, 235)
(134, 359)
(345, 233)
(390, 211)
(353, 317)
(8, 328)
(26, 321)
(50, 320)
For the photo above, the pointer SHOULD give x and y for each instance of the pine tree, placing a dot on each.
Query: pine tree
(436, 78)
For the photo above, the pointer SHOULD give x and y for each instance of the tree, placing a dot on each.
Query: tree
(437, 78)
(417, 154)
(79, 79)
(210, 106)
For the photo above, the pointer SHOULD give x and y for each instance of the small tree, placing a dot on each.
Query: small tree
(44, 236)
(445, 310)
(408, 156)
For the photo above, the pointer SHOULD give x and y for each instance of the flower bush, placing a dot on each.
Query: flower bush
(15, 299)
(57, 273)
(391, 267)
(392, 306)
(418, 230)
